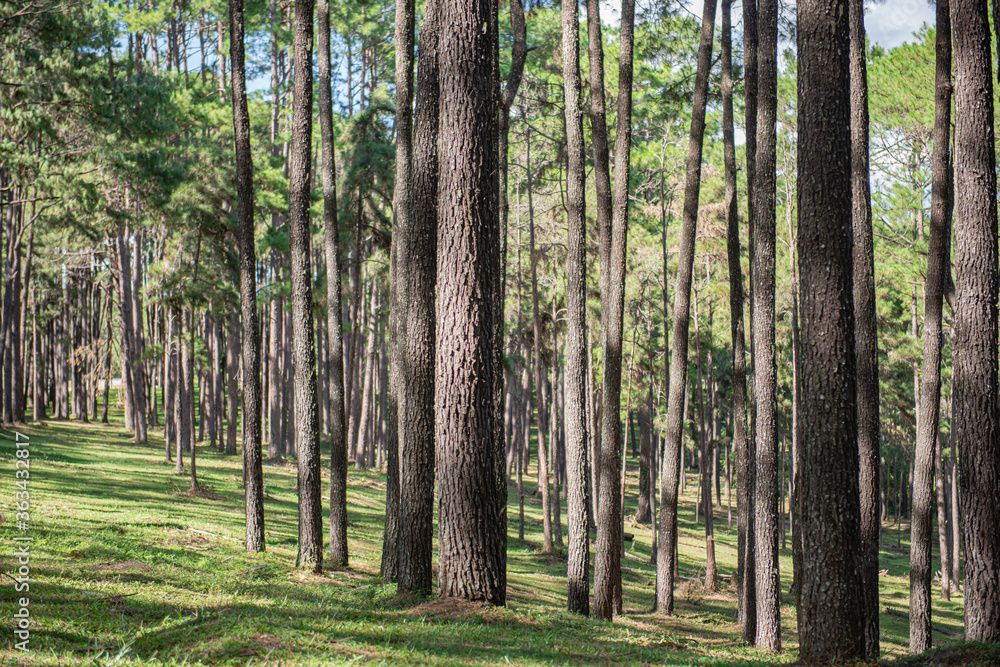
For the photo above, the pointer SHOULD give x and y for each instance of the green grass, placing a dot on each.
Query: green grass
(126, 567)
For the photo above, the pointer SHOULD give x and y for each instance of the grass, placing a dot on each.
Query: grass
(127, 567)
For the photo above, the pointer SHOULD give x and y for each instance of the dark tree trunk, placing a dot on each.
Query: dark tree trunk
(170, 434)
(607, 570)
(645, 432)
(473, 534)
(944, 548)
(766, 491)
(135, 378)
(930, 389)
(704, 460)
(672, 472)
(303, 341)
(743, 447)
(866, 337)
(832, 616)
(232, 381)
(975, 418)
(334, 331)
(182, 406)
(187, 363)
(402, 212)
(539, 374)
(602, 157)
(416, 271)
(275, 385)
(253, 481)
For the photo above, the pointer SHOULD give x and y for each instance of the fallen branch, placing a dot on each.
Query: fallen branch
(936, 628)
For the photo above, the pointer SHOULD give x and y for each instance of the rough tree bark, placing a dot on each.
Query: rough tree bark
(416, 270)
(607, 557)
(671, 466)
(974, 380)
(250, 339)
(832, 615)
(746, 465)
(741, 446)
(767, 483)
(334, 330)
(303, 344)
(578, 557)
(930, 390)
(865, 332)
(473, 534)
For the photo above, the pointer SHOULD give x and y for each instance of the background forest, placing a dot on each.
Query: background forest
(122, 337)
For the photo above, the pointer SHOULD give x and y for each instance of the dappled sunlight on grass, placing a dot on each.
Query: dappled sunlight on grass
(126, 564)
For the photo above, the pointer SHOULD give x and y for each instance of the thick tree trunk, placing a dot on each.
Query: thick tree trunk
(306, 405)
(975, 418)
(417, 272)
(832, 615)
(607, 570)
(473, 535)
(930, 390)
(671, 466)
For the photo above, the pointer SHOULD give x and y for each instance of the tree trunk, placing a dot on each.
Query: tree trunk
(607, 571)
(250, 335)
(472, 519)
(275, 385)
(181, 410)
(944, 548)
(303, 343)
(832, 613)
(539, 373)
(975, 419)
(417, 267)
(334, 331)
(645, 434)
(743, 447)
(233, 353)
(930, 390)
(667, 540)
(705, 458)
(766, 491)
(187, 364)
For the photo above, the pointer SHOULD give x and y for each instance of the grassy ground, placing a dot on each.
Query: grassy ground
(126, 566)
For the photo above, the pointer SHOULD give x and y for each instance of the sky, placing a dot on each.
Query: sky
(888, 24)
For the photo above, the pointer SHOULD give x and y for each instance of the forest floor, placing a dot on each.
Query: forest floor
(127, 567)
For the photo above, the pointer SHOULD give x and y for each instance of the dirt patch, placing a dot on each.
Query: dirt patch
(961, 655)
(456, 609)
(450, 609)
(121, 566)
